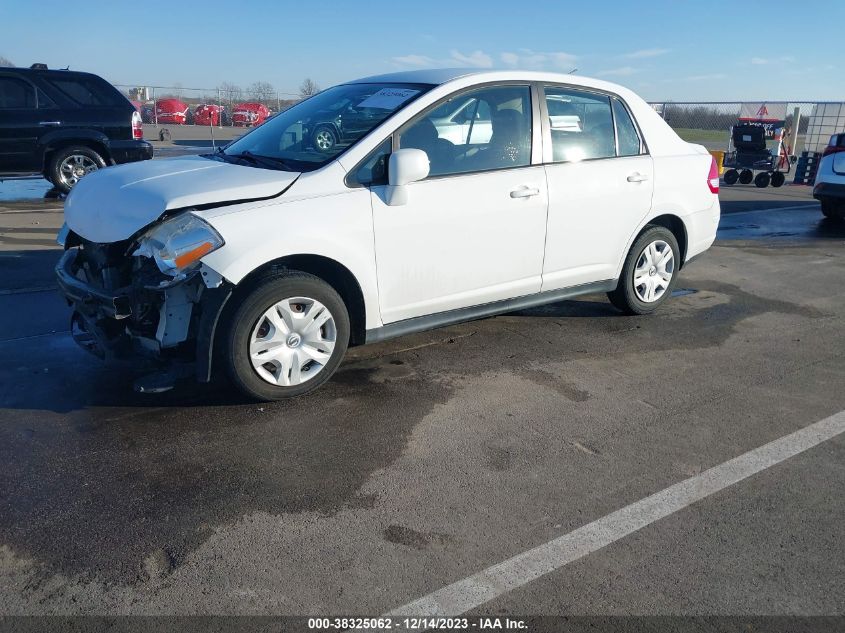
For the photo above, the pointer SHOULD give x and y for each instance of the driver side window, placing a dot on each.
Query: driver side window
(479, 130)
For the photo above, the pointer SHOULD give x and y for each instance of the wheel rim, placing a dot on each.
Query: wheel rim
(654, 271)
(324, 140)
(75, 167)
(292, 341)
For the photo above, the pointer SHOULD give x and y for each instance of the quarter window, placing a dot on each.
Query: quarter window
(581, 125)
(626, 133)
(373, 171)
(16, 93)
(480, 130)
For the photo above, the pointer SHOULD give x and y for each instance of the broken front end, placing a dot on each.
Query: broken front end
(147, 297)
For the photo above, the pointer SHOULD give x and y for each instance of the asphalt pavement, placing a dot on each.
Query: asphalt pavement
(429, 462)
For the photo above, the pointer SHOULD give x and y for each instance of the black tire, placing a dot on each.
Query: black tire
(778, 179)
(625, 296)
(746, 176)
(762, 180)
(247, 315)
(324, 139)
(54, 170)
(831, 211)
(731, 176)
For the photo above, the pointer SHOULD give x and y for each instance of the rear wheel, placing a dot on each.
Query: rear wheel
(746, 176)
(649, 272)
(833, 211)
(778, 179)
(731, 176)
(762, 180)
(68, 165)
(287, 337)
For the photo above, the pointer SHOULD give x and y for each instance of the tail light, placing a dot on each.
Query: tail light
(137, 126)
(713, 176)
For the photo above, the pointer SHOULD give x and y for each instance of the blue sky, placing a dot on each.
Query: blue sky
(681, 50)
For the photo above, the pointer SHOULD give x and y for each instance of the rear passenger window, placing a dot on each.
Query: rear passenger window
(86, 91)
(16, 93)
(626, 132)
(581, 125)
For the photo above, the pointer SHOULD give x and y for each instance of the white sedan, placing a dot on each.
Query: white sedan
(272, 257)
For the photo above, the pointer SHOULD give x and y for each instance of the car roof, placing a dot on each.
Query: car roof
(439, 76)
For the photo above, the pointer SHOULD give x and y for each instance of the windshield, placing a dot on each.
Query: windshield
(317, 130)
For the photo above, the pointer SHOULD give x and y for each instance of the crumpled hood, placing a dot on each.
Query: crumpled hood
(113, 204)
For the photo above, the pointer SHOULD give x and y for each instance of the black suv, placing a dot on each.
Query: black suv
(64, 124)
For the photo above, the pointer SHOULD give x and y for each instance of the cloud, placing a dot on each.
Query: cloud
(710, 77)
(476, 59)
(419, 61)
(646, 52)
(527, 58)
(785, 59)
(623, 71)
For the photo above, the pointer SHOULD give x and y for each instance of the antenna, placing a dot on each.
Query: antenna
(573, 71)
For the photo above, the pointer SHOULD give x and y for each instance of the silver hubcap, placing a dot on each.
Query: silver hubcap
(323, 140)
(292, 341)
(654, 271)
(75, 167)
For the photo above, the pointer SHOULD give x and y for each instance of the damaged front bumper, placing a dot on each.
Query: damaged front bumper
(121, 310)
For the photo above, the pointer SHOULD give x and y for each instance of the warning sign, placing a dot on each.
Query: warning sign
(762, 112)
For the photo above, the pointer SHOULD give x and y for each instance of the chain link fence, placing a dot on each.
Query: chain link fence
(709, 123)
(203, 115)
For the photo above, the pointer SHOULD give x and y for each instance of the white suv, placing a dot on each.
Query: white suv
(829, 187)
(271, 256)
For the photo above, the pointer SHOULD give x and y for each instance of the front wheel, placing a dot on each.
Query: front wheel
(287, 336)
(649, 272)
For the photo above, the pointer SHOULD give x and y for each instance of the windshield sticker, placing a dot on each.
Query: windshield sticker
(388, 98)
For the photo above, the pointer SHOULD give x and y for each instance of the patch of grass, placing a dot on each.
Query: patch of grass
(691, 135)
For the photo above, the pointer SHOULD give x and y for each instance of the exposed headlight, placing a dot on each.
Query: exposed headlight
(178, 244)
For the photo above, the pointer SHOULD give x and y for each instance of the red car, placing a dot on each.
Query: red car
(249, 114)
(210, 114)
(172, 111)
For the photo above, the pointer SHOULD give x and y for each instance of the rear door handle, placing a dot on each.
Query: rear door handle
(525, 192)
(50, 123)
(637, 177)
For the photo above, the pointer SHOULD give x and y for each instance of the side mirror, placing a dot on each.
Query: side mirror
(405, 166)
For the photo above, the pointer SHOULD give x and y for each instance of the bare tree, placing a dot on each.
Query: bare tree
(261, 91)
(6, 62)
(308, 88)
(230, 92)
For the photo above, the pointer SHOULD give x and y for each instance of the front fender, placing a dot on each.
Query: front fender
(337, 226)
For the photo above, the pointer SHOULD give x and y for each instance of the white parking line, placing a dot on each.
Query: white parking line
(490, 583)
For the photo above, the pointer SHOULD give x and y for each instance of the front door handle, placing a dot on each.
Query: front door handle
(637, 177)
(525, 192)
(50, 123)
